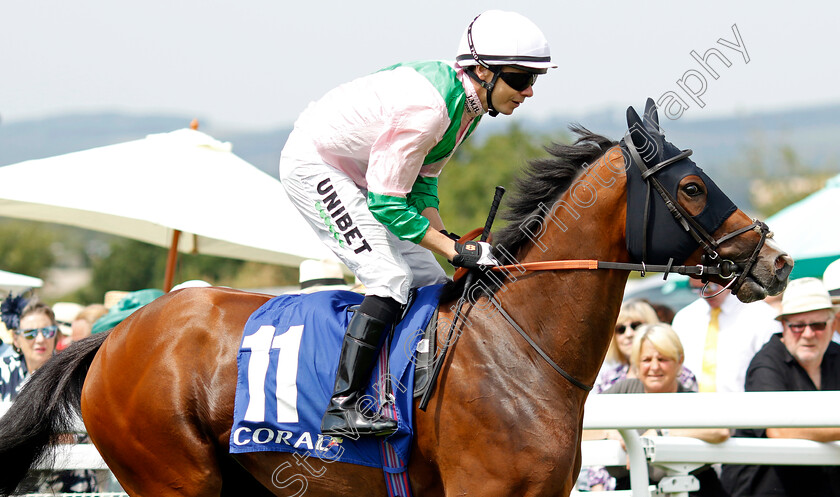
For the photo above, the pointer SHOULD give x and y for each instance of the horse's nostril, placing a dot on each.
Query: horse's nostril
(784, 265)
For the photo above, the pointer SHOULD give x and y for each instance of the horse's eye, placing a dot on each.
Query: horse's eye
(693, 189)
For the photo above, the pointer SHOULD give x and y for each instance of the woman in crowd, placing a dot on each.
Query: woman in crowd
(34, 331)
(633, 314)
(656, 358)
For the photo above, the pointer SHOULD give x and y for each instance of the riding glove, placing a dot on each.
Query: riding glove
(474, 254)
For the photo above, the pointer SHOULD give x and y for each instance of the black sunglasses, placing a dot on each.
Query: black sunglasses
(47, 331)
(800, 327)
(519, 81)
(620, 328)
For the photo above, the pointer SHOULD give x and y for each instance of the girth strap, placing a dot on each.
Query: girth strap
(574, 381)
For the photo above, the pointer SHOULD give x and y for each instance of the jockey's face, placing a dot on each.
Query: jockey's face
(505, 98)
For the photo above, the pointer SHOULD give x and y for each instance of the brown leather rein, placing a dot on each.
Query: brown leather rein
(727, 272)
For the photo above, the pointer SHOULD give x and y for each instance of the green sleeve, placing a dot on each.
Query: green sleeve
(400, 218)
(424, 194)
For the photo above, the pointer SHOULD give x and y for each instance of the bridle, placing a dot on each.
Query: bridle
(711, 263)
(723, 268)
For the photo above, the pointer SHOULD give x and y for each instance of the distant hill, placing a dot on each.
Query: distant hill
(20, 141)
(728, 148)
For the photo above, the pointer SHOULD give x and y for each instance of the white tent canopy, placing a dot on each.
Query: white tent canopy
(17, 283)
(145, 189)
(802, 230)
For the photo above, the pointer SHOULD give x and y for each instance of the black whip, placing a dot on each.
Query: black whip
(424, 401)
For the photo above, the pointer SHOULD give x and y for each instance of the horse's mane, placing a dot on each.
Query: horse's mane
(541, 182)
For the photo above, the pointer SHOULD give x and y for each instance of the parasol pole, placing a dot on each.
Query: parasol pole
(171, 260)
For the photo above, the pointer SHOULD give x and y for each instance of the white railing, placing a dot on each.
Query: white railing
(678, 455)
(630, 413)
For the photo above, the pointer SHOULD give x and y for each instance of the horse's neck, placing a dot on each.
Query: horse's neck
(572, 313)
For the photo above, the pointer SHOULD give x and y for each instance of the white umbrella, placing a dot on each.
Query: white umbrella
(808, 230)
(158, 187)
(13, 282)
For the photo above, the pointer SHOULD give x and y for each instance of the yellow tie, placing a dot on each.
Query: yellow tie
(708, 379)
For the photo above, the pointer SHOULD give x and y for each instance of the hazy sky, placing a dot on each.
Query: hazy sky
(257, 63)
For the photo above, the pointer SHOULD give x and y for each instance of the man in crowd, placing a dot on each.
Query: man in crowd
(800, 358)
(831, 280)
(720, 335)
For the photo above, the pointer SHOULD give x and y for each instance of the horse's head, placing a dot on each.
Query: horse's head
(677, 214)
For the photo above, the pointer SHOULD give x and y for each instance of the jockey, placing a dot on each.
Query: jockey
(362, 166)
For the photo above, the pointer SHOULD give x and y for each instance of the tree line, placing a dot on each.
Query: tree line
(466, 190)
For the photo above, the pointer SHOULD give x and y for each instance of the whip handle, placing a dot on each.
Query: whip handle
(497, 199)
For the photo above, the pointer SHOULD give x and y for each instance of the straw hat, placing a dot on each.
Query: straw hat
(805, 295)
(112, 297)
(321, 275)
(831, 280)
(65, 314)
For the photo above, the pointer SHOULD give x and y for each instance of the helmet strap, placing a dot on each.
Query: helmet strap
(487, 86)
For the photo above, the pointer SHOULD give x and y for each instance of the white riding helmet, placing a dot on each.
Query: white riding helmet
(499, 38)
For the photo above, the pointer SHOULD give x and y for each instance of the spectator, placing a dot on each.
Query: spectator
(721, 335)
(657, 358)
(34, 339)
(124, 308)
(83, 324)
(831, 280)
(320, 275)
(664, 313)
(65, 313)
(633, 314)
(800, 358)
(35, 335)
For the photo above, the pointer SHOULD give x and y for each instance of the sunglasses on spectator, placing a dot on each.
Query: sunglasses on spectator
(800, 327)
(519, 81)
(47, 332)
(621, 328)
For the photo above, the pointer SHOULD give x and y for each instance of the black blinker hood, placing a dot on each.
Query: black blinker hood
(666, 238)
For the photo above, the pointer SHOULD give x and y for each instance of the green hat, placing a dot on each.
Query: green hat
(125, 308)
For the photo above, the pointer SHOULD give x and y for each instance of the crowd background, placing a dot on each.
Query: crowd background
(785, 343)
(713, 344)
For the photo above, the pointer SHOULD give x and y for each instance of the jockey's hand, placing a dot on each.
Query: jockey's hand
(452, 236)
(474, 254)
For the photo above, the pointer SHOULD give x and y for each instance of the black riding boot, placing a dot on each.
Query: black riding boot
(345, 416)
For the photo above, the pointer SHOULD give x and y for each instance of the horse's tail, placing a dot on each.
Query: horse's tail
(47, 406)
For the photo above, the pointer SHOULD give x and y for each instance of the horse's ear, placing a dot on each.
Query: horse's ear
(652, 116)
(633, 119)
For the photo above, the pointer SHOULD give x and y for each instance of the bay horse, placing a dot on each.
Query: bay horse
(156, 394)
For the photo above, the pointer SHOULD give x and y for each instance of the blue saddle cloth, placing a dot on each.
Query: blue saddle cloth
(287, 364)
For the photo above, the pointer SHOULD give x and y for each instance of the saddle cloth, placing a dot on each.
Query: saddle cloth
(286, 372)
